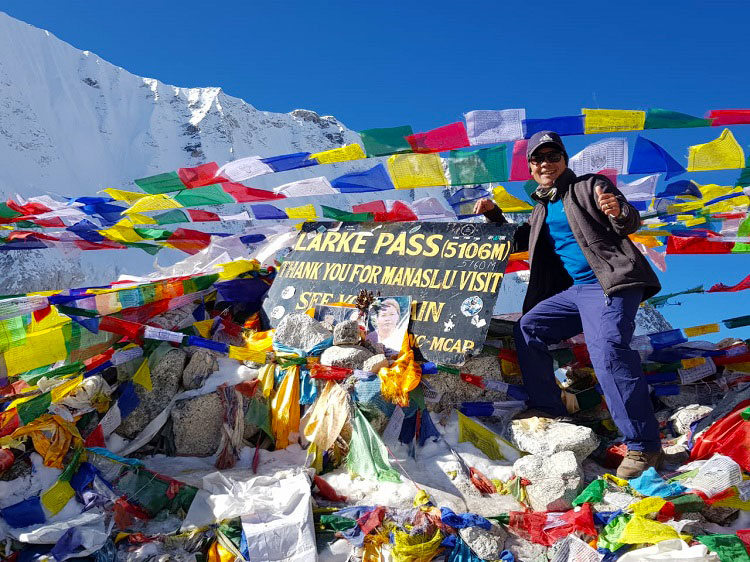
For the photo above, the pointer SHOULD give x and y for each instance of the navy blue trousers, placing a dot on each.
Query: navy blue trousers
(607, 324)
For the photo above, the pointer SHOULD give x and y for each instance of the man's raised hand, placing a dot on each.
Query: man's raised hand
(607, 202)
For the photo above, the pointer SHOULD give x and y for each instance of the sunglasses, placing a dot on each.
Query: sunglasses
(548, 156)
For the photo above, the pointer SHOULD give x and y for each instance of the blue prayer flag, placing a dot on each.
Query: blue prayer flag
(374, 179)
(649, 157)
(289, 161)
(569, 125)
(264, 211)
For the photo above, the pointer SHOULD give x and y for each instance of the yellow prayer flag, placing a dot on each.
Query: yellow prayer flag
(232, 269)
(507, 202)
(684, 207)
(121, 234)
(491, 444)
(648, 505)
(695, 221)
(285, 408)
(244, 354)
(621, 482)
(159, 202)
(342, 154)
(204, 327)
(416, 170)
(129, 197)
(58, 496)
(722, 153)
(266, 376)
(641, 530)
(693, 362)
(62, 390)
(700, 330)
(143, 376)
(647, 240)
(656, 225)
(611, 120)
(301, 212)
(137, 219)
(41, 348)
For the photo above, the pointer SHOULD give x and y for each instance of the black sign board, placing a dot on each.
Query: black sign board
(452, 271)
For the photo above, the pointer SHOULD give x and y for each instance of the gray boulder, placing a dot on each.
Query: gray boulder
(555, 480)
(375, 363)
(196, 424)
(201, 364)
(349, 356)
(165, 380)
(300, 331)
(544, 437)
(487, 545)
(346, 333)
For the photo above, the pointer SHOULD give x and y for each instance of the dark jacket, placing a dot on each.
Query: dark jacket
(613, 257)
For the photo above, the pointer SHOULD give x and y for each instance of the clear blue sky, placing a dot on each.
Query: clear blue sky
(426, 63)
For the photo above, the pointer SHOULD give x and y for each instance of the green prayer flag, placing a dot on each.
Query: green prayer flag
(153, 233)
(12, 333)
(471, 167)
(32, 377)
(31, 409)
(171, 217)
(70, 470)
(737, 322)
(448, 369)
(416, 397)
(148, 248)
(688, 503)
(205, 281)
(337, 523)
(666, 119)
(208, 195)
(338, 215)
(743, 231)
(610, 535)
(593, 493)
(258, 415)
(728, 547)
(130, 297)
(382, 142)
(530, 187)
(368, 456)
(8, 213)
(161, 183)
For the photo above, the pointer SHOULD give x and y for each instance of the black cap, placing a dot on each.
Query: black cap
(543, 138)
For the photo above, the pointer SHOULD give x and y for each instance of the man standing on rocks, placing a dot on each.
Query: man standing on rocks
(586, 276)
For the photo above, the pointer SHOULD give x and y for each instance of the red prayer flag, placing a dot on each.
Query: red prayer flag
(28, 208)
(120, 326)
(95, 438)
(476, 380)
(516, 265)
(519, 165)
(55, 222)
(721, 288)
(202, 216)
(24, 234)
(698, 245)
(400, 212)
(104, 245)
(9, 422)
(723, 117)
(244, 194)
(371, 207)
(205, 174)
(189, 241)
(447, 137)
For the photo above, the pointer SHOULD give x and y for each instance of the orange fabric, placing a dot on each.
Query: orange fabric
(53, 450)
(397, 381)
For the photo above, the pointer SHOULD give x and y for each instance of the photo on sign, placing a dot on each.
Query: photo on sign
(387, 321)
(330, 315)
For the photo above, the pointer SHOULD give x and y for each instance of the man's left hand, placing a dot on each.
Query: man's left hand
(608, 203)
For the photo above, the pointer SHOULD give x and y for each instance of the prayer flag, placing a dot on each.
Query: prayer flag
(205, 174)
(721, 117)
(245, 168)
(611, 120)
(682, 187)
(508, 203)
(170, 217)
(387, 141)
(341, 154)
(641, 189)
(719, 154)
(608, 153)
(442, 139)
(302, 212)
(129, 197)
(495, 126)
(202, 216)
(189, 241)
(289, 161)
(700, 244)
(268, 212)
(416, 170)
(669, 338)
(650, 157)
(159, 202)
(306, 188)
(721, 288)
(143, 376)
(374, 179)
(478, 166)
(568, 125)
(57, 497)
(519, 165)
(666, 119)
(737, 322)
(338, 215)
(371, 207)
(243, 194)
(701, 330)
(205, 195)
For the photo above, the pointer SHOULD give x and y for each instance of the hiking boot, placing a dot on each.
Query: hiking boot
(636, 462)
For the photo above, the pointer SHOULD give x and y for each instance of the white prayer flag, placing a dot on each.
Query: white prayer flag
(607, 154)
(642, 189)
(244, 169)
(488, 126)
(306, 188)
